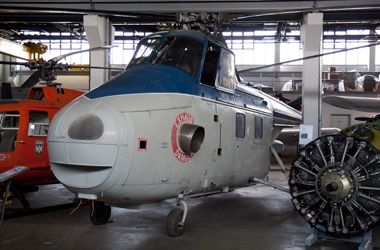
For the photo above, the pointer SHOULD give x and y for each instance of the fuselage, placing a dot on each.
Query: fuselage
(176, 120)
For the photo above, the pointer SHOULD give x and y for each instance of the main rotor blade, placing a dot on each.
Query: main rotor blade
(92, 67)
(307, 57)
(57, 58)
(14, 63)
(13, 49)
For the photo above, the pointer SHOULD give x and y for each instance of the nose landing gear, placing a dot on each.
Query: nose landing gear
(99, 213)
(175, 222)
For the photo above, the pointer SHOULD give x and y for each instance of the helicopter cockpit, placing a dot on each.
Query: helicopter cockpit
(180, 52)
(185, 53)
(145, 49)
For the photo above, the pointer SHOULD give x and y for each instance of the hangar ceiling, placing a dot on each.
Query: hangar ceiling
(19, 17)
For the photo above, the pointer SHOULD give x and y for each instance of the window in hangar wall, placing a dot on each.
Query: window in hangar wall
(58, 47)
(291, 51)
(121, 54)
(125, 49)
(351, 57)
(248, 49)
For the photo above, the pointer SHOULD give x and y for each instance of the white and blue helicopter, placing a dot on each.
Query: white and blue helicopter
(176, 123)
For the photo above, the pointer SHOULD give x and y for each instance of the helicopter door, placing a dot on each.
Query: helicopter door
(9, 125)
(240, 148)
(261, 142)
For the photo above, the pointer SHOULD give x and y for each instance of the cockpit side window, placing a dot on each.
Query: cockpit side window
(38, 123)
(210, 65)
(181, 52)
(227, 76)
(9, 124)
(144, 50)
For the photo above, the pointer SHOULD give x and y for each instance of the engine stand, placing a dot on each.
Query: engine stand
(365, 241)
(6, 177)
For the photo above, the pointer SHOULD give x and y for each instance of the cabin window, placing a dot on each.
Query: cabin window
(210, 66)
(9, 124)
(181, 52)
(227, 76)
(240, 125)
(144, 50)
(38, 123)
(258, 128)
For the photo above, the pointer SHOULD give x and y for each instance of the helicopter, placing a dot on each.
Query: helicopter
(23, 131)
(175, 124)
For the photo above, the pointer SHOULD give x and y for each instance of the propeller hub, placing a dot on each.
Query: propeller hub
(335, 186)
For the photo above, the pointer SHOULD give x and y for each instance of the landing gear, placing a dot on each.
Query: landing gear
(174, 225)
(334, 182)
(175, 222)
(99, 213)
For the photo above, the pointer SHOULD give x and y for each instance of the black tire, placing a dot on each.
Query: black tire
(173, 220)
(101, 213)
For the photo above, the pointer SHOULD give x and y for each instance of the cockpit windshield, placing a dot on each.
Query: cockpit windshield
(144, 50)
(181, 52)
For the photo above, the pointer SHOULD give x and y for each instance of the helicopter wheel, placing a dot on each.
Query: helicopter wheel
(335, 186)
(174, 227)
(100, 213)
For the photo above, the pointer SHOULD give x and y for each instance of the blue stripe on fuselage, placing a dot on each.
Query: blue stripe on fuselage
(146, 78)
(286, 117)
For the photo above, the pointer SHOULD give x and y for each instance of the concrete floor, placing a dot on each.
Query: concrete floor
(257, 217)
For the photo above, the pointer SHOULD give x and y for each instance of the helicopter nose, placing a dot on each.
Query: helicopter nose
(84, 143)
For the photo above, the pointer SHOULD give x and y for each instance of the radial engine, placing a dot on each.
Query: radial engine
(335, 181)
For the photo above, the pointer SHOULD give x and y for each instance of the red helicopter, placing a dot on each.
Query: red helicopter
(24, 124)
(23, 131)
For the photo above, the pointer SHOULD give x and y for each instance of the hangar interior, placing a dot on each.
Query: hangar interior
(260, 33)
(267, 38)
